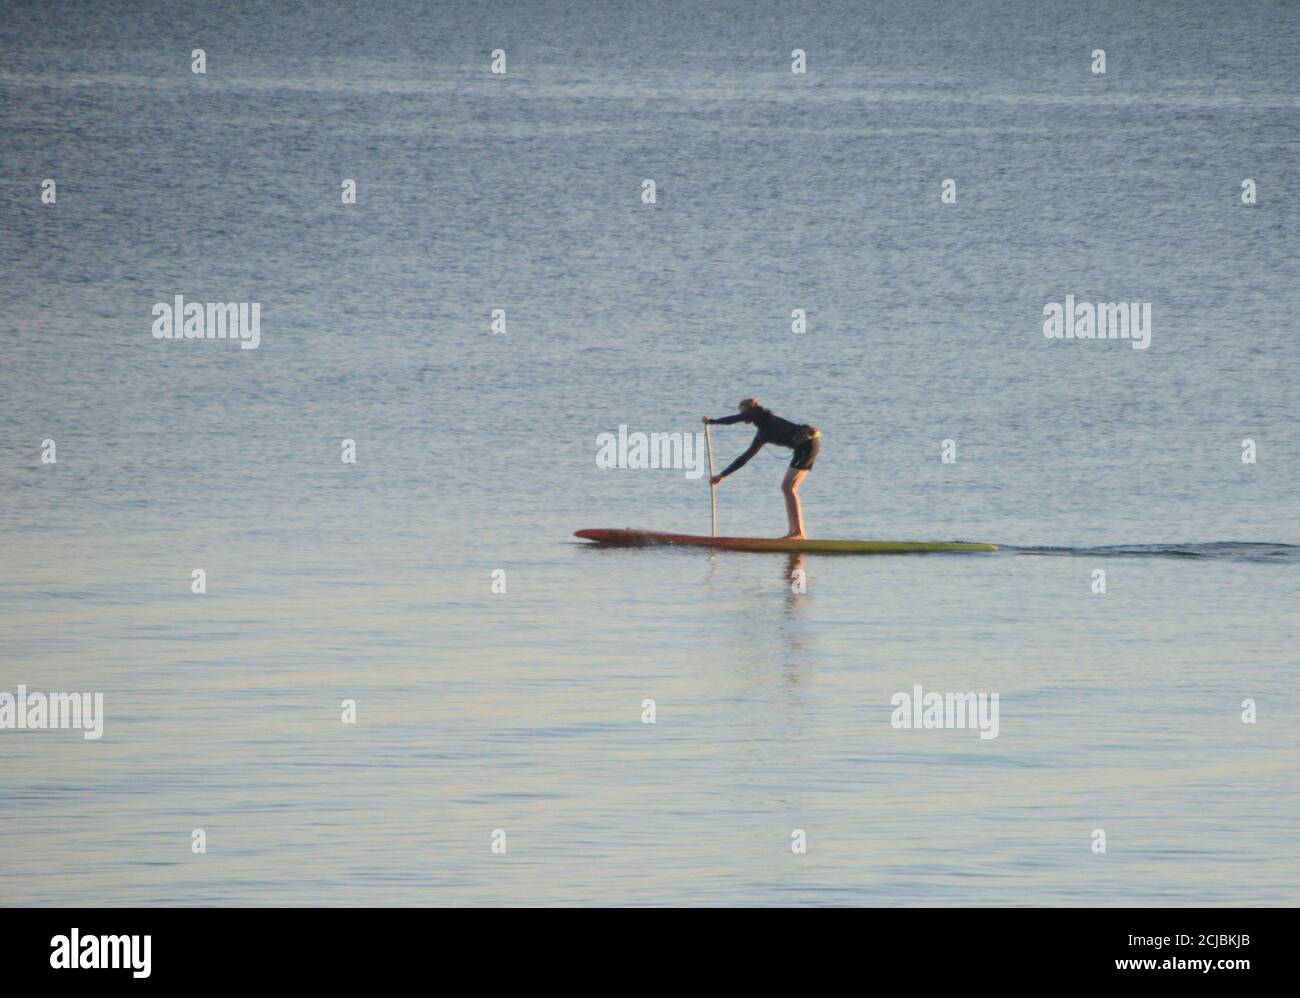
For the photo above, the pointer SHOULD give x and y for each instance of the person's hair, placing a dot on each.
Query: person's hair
(750, 404)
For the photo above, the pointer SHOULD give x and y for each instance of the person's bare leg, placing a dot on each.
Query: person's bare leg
(793, 507)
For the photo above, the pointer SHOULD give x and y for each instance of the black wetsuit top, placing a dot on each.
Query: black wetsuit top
(772, 429)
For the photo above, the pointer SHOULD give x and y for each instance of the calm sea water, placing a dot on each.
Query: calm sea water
(522, 710)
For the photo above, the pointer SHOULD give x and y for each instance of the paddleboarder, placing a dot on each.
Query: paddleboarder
(770, 428)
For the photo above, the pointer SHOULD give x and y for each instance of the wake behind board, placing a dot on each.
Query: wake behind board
(640, 538)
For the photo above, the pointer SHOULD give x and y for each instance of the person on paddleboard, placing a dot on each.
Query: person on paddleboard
(804, 440)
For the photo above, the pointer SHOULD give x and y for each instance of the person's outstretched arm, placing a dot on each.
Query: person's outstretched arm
(741, 461)
(727, 420)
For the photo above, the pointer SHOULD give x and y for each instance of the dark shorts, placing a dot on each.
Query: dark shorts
(805, 454)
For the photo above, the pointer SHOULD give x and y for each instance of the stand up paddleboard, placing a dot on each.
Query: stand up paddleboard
(641, 538)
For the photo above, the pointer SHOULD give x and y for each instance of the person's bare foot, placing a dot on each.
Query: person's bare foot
(793, 537)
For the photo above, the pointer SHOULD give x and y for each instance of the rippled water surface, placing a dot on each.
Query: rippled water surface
(522, 710)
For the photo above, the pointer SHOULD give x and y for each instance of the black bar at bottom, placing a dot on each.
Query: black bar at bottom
(931, 948)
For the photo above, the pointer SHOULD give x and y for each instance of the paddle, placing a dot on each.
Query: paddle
(713, 489)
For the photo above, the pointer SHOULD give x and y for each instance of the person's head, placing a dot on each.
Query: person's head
(747, 404)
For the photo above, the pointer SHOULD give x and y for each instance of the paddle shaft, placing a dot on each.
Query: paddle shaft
(713, 489)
